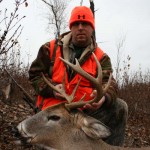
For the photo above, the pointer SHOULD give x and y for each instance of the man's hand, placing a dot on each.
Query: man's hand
(58, 95)
(94, 106)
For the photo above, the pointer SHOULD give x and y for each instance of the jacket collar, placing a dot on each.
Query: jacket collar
(65, 41)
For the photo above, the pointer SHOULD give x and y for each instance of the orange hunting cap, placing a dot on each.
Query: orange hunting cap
(82, 13)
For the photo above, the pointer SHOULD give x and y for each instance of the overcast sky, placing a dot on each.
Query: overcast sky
(115, 20)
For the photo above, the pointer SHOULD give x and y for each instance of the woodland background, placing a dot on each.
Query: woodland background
(134, 87)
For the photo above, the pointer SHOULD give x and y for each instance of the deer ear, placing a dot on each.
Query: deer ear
(94, 128)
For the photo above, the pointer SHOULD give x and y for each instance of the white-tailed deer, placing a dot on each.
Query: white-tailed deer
(62, 127)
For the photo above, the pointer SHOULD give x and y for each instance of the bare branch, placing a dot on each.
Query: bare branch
(93, 11)
(10, 31)
(56, 15)
(29, 99)
(81, 2)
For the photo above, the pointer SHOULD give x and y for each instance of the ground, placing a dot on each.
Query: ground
(134, 89)
(137, 131)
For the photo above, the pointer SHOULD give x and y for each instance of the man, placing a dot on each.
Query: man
(79, 43)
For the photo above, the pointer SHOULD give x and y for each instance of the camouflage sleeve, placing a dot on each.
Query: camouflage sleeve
(112, 91)
(41, 65)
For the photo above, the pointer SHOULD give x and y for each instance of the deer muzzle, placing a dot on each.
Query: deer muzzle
(21, 140)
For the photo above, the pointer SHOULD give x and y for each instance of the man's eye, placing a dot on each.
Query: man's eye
(84, 23)
(76, 23)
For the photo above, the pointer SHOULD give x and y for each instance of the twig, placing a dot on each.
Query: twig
(28, 99)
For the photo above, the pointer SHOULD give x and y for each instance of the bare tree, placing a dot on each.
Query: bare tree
(92, 7)
(10, 30)
(120, 45)
(57, 15)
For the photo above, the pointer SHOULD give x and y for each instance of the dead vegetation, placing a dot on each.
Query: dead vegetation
(136, 93)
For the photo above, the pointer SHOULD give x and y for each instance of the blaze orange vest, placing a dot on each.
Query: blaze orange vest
(58, 73)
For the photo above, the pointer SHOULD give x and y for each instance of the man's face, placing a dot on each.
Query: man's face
(81, 33)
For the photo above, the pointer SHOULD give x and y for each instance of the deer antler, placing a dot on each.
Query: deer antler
(97, 83)
(62, 91)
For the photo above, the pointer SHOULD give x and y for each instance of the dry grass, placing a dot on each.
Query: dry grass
(135, 90)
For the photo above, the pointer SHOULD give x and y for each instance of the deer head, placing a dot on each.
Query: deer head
(58, 128)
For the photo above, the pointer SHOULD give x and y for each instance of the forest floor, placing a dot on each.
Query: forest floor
(137, 131)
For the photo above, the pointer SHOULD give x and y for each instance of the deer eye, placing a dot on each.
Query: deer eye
(53, 118)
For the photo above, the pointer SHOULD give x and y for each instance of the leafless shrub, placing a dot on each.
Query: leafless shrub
(134, 88)
(10, 30)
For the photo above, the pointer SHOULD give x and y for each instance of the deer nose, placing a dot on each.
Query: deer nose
(15, 132)
(17, 135)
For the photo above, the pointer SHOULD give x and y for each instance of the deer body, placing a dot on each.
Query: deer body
(60, 129)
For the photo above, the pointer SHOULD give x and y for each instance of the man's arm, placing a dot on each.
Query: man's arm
(39, 65)
(112, 91)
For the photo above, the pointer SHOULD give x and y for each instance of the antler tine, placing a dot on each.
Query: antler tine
(83, 73)
(97, 82)
(49, 83)
(62, 91)
(74, 90)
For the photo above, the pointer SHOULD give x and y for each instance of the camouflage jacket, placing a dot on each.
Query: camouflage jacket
(42, 64)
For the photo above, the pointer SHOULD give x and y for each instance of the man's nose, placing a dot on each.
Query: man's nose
(80, 26)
